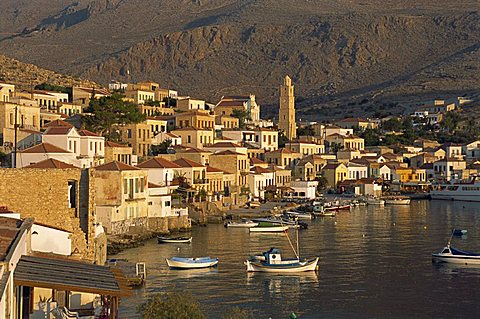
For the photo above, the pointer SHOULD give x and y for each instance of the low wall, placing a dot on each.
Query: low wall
(152, 224)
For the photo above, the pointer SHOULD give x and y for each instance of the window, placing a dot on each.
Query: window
(167, 203)
(137, 182)
(129, 133)
(142, 185)
(91, 146)
(72, 194)
(125, 186)
(189, 139)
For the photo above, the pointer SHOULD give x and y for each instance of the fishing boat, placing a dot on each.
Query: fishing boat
(281, 221)
(273, 262)
(265, 228)
(174, 240)
(242, 224)
(191, 263)
(456, 256)
(375, 201)
(459, 232)
(397, 200)
(335, 206)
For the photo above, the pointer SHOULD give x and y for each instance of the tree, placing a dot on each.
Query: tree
(238, 313)
(161, 148)
(393, 124)
(322, 183)
(170, 102)
(241, 115)
(109, 111)
(282, 140)
(306, 131)
(450, 122)
(171, 306)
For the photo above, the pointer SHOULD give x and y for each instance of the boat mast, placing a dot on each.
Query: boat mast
(298, 245)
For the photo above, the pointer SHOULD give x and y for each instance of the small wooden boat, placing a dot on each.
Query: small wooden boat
(191, 263)
(272, 262)
(331, 213)
(263, 228)
(396, 200)
(174, 240)
(459, 232)
(280, 221)
(335, 206)
(242, 224)
(456, 256)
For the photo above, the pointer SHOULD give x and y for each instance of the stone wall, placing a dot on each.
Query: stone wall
(43, 194)
(151, 224)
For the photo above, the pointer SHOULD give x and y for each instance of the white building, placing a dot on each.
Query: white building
(356, 171)
(160, 171)
(304, 189)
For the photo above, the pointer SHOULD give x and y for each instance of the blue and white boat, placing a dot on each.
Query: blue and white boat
(272, 261)
(456, 256)
(191, 263)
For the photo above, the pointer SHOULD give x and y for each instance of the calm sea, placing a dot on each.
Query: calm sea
(374, 263)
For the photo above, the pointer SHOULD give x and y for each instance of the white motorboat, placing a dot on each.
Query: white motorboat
(272, 262)
(466, 191)
(375, 201)
(174, 240)
(269, 228)
(298, 215)
(191, 263)
(456, 256)
(396, 200)
(242, 224)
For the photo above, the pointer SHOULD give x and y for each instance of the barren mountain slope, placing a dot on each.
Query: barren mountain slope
(214, 47)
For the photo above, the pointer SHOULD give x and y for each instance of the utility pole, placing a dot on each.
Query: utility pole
(15, 139)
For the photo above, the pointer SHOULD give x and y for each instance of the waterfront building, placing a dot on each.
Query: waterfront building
(335, 173)
(234, 163)
(286, 113)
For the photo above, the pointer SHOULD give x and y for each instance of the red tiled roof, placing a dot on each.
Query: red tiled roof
(230, 103)
(58, 130)
(58, 123)
(158, 162)
(9, 230)
(184, 162)
(87, 133)
(228, 152)
(152, 185)
(194, 150)
(260, 170)
(51, 163)
(213, 170)
(94, 90)
(116, 166)
(44, 148)
(255, 160)
(225, 144)
(113, 144)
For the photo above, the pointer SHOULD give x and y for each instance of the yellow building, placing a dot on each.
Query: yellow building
(68, 109)
(7, 91)
(226, 121)
(196, 118)
(157, 125)
(193, 137)
(27, 117)
(215, 185)
(234, 163)
(335, 173)
(306, 148)
(283, 157)
(138, 136)
(121, 196)
(190, 104)
(346, 142)
(194, 154)
(119, 152)
(82, 95)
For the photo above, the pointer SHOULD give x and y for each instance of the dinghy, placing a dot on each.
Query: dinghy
(272, 262)
(242, 224)
(268, 228)
(456, 256)
(191, 263)
(174, 240)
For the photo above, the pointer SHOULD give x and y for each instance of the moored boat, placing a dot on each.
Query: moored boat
(174, 240)
(273, 262)
(298, 215)
(397, 200)
(242, 224)
(456, 256)
(375, 201)
(191, 263)
(463, 191)
(326, 214)
(264, 228)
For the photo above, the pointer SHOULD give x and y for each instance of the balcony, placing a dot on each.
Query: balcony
(200, 181)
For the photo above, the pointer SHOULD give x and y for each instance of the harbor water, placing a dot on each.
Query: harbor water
(375, 262)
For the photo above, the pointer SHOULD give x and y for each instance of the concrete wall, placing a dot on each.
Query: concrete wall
(49, 240)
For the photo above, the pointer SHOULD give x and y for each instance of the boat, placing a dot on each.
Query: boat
(280, 221)
(273, 262)
(191, 263)
(459, 232)
(174, 240)
(242, 224)
(326, 214)
(462, 191)
(335, 206)
(397, 200)
(453, 255)
(264, 228)
(456, 256)
(299, 215)
(375, 201)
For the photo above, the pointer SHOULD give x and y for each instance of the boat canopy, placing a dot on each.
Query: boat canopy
(462, 252)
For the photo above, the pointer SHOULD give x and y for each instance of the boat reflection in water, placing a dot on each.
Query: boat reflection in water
(192, 273)
(285, 284)
(456, 269)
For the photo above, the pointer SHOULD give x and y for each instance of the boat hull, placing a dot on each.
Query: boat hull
(272, 229)
(174, 240)
(258, 266)
(397, 201)
(241, 225)
(453, 259)
(191, 265)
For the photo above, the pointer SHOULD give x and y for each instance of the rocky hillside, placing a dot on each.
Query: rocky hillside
(25, 75)
(336, 51)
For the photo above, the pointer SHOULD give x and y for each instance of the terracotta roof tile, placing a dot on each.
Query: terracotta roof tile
(113, 144)
(58, 123)
(87, 133)
(44, 148)
(184, 162)
(58, 130)
(158, 162)
(116, 166)
(51, 163)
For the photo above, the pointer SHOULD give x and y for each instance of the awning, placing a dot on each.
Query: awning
(64, 274)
